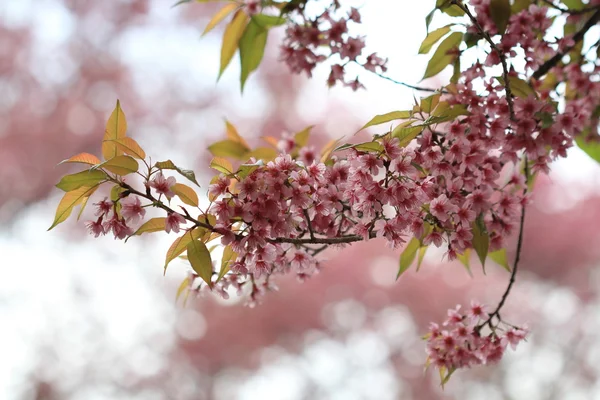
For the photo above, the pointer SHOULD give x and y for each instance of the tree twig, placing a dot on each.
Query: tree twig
(548, 65)
(487, 37)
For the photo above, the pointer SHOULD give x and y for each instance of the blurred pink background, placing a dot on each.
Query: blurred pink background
(86, 318)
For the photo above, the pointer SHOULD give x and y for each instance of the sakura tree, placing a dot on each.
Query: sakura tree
(453, 172)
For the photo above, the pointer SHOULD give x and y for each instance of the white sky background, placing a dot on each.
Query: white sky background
(41, 270)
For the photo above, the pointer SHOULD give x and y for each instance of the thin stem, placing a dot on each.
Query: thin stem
(552, 62)
(397, 82)
(487, 37)
(513, 274)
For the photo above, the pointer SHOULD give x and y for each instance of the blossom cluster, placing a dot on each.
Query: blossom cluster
(310, 41)
(459, 343)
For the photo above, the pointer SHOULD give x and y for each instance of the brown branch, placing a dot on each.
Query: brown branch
(513, 274)
(334, 240)
(419, 88)
(552, 62)
(488, 38)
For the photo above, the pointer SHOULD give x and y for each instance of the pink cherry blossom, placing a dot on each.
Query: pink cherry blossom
(132, 210)
(163, 185)
(173, 221)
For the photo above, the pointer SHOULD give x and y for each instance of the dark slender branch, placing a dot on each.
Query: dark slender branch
(571, 10)
(513, 274)
(487, 37)
(334, 240)
(419, 88)
(310, 229)
(548, 65)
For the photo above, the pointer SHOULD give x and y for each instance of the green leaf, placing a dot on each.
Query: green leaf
(115, 192)
(187, 173)
(428, 19)
(591, 148)
(500, 12)
(152, 225)
(252, 49)
(369, 147)
(69, 201)
(116, 128)
(481, 241)
(231, 37)
(518, 86)
(228, 148)
(83, 178)
(183, 286)
(247, 169)
(408, 255)
(465, 259)
(520, 5)
(422, 251)
(432, 38)
(180, 244)
(229, 257)
(222, 165)
(186, 194)
(199, 257)
(120, 165)
(406, 135)
(441, 59)
(383, 118)
(428, 104)
(268, 21)
(301, 138)
(265, 154)
(499, 257)
(574, 4)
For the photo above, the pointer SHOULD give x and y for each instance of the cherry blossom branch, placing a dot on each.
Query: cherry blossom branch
(513, 274)
(419, 88)
(487, 37)
(334, 240)
(570, 10)
(548, 65)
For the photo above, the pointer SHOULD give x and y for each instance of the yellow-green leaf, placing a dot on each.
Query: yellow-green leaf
(222, 165)
(408, 255)
(83, 178)
(84, 158)
(152, 225)
(428, 104)
(116, 128)
(120, 165)
(499, 257)
(465, 259)
(422, 251)
(252, 49)
(262, 153)
(130, 146)
(500, 12)
(231, 37)
(187, 173)
(70, 200)
(183, 286)
(228, 148)
(220, 16)
(432, 38)
(518, 87)
(199, 257)
(481, 241)
(180, 244)
(186, 194)
(232, 134)
(301, 138)
(406, 135)
(383, 118)
(441, 58)
(229, 257)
